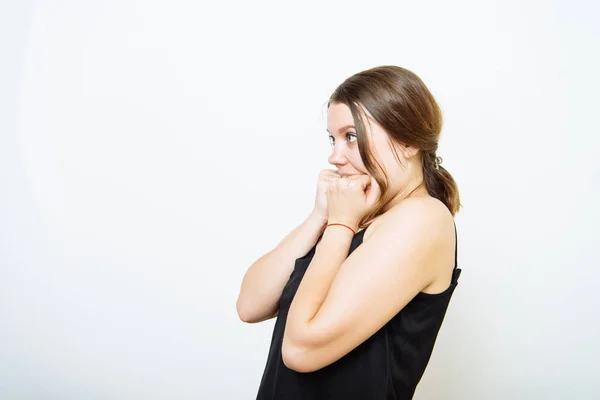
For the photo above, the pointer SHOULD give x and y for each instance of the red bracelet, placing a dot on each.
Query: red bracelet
(343, 225)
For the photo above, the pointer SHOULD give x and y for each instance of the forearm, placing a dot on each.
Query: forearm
(330, 254)
(264, 280)
(298, 242)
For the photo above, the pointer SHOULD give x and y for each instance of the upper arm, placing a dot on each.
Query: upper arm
(373, 284)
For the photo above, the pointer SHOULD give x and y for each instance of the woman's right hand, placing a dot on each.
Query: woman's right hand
(325, 177)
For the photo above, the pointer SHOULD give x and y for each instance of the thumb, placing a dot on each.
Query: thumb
(363, 180)
(374, 191)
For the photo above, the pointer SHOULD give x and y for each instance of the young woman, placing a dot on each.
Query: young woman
(361, 287)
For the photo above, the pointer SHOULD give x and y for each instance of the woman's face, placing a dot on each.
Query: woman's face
(402, 178)
(345, 155)
(342, 136)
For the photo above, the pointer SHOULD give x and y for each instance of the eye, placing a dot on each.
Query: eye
(348, 135)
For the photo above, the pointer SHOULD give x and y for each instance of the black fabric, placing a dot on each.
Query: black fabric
(388, 365)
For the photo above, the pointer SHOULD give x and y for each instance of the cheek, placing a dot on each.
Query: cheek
(358, 162)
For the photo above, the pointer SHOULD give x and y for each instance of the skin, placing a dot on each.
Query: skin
(346, 157)
(343, 300)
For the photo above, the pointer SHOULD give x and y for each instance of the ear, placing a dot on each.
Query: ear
(408, 151)
(412, 151)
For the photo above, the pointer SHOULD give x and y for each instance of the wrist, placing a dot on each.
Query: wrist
(336, 235)
(317, 218)
(344, 225)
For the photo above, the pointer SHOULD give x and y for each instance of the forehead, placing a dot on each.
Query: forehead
(339, 118)
(338, 115)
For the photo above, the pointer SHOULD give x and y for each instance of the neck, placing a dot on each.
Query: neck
(415, 188)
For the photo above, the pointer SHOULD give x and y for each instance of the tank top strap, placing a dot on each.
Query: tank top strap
(456, 272)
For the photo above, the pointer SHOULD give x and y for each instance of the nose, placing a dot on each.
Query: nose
(338, 157)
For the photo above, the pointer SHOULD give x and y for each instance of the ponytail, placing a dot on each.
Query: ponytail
(439, 183)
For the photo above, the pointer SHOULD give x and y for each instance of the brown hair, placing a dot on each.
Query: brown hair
(400, 102)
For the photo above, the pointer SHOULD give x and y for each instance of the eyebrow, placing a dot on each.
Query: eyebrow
(343, 128)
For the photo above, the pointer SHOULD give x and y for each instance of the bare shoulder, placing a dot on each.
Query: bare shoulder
(427, 226)
(426, 212)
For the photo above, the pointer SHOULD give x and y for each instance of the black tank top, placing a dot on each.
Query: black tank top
(388, 365)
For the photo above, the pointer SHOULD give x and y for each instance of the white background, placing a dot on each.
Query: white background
(151, 151)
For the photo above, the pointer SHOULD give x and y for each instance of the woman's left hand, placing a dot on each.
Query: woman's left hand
(350, 198)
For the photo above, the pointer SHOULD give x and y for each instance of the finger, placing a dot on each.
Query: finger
(331, 180)
(329, 176)
(374, 192)
(345, 182)
(362, 180)
(329, 172)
